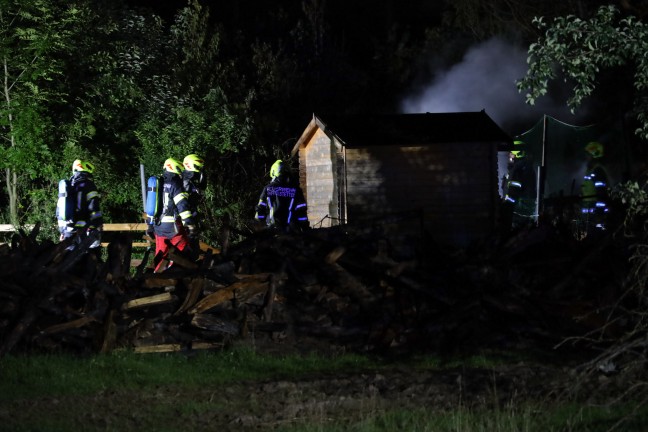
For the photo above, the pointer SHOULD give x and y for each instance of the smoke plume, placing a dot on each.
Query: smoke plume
(485, 79)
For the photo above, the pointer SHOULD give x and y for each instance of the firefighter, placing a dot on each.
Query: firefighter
(519, 189)
(282, 204)
(176, 224)
(194, 183)
(87, 220)
(193, 179)
(594, 189)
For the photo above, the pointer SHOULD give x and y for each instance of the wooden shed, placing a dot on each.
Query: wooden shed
(442, 167)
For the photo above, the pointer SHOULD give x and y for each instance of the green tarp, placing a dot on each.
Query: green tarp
(557, 151)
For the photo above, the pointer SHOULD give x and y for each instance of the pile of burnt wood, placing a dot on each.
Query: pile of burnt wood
(346, 288)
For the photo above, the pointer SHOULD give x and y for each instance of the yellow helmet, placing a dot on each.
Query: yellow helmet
(82, 166)
(519, 149)
(276, 169)
(193, 162)
(173, 166)
(595, 148)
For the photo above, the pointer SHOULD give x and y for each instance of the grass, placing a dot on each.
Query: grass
(533, 417)
(244, 390)
(52, 375)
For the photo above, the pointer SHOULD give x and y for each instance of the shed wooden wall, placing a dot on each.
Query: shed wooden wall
(454, 184)
(319, 162)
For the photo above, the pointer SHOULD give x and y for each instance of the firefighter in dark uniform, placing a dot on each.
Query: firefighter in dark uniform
(88, 220)
(176, 225)
(282, 204)
(193, 179)
(594, 190)
(519, 189)
(194, 183)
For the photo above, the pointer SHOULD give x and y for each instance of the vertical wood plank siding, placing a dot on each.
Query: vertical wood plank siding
(318, 162)
(453, 184)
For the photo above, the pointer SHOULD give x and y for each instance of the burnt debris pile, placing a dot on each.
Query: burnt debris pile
(332, 289)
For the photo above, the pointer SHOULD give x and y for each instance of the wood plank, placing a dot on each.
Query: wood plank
(269, 297)
(336, 253)
(205, 247)
(159, 280)
(80, 322)
(110, 333)
(150, 301)
(213, 323)
(195, 289)
(162, 348)
(125, 226)
(202, 345)
(135, 244)
(242, 290)
(121, 226)
(178, 258)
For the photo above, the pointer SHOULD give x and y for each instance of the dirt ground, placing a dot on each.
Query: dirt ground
(358, 396)
(400, 384)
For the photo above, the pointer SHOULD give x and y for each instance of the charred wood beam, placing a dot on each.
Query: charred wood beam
(19, 330)
(195, 289)
(74, 256)
(139, 271)
(77, 323)
(160, 280)
(215, 324)
(119, 257)
(181, 259)
(241, 291)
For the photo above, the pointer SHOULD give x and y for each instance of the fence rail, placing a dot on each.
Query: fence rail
(117, 227)
(127, 226)
(109, 227)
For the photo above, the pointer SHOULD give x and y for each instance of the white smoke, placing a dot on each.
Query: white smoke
(485, 79)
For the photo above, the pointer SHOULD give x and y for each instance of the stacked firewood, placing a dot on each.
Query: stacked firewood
(340, 287)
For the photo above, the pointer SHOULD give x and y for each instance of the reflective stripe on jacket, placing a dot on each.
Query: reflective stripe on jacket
(281, 204)
(176, 210)
(87, 212)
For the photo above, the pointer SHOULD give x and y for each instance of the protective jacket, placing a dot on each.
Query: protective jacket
(282, 205)
(176, 210)
(521, 182)
(594, 195)
(595, 185)
(193, 184)
(521, 191)
(87, 211)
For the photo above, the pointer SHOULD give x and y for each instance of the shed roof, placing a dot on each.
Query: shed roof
(408, 129)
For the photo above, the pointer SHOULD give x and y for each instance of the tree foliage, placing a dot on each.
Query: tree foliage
(579, 50)
(196, 106)
(33, 33)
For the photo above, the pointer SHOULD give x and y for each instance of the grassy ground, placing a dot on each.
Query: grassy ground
(242, 390)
